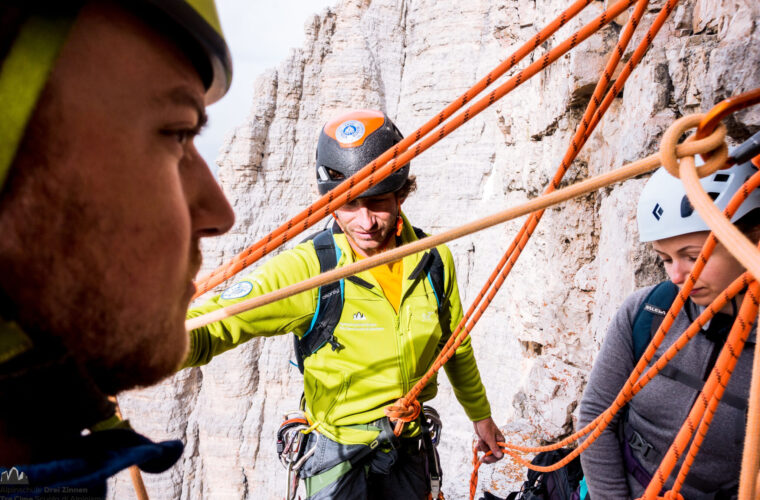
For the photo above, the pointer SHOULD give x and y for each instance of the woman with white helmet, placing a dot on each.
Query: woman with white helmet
(621, 462)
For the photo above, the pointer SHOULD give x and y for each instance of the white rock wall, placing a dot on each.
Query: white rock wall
(536, 342)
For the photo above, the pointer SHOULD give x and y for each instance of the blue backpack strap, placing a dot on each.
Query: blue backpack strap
(650, 315)
(329, 302)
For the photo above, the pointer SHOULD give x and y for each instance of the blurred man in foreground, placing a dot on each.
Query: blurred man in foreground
(104, 200)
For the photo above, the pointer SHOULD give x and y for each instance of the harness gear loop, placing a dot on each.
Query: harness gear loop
(290, 438)
(291, 441)
(435, 473)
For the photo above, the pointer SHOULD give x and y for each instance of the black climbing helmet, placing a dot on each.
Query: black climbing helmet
(351, 141)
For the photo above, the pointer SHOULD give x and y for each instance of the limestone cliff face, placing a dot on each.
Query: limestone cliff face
(536, 342)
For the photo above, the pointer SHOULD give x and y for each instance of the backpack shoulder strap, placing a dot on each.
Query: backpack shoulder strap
(329, 302)
(650, 315)
(648, 319)
(432, 265)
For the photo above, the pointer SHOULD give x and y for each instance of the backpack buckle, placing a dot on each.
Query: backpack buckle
(638, 444)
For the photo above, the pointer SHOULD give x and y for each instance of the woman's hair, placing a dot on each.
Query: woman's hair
(749, 225)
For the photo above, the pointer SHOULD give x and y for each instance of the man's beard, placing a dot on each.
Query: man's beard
(59, 296)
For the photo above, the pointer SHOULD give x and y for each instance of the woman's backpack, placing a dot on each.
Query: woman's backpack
(561, 484)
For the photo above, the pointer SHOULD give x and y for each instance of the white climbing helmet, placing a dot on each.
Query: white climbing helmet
(664, 209)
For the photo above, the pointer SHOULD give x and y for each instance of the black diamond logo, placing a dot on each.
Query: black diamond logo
(657, 212)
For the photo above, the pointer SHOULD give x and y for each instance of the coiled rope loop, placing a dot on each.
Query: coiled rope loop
(670, 139)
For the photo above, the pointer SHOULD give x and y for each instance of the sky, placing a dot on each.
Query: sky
(260, 33)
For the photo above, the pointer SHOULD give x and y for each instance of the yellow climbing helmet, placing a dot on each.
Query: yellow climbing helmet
(32, 33)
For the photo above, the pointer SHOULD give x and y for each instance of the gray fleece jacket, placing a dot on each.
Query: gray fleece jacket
(657, 412)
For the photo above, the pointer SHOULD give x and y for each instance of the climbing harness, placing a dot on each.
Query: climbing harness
(292, 437)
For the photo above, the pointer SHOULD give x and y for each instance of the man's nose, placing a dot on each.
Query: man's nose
(210, 211)
(365, 219)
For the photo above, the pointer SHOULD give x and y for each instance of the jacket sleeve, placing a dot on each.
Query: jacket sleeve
(292, 314)
(602, 462)
(461, 369)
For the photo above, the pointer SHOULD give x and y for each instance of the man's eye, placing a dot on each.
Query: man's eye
(182, 136)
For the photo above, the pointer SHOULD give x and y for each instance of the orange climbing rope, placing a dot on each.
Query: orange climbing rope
(725, 108)
(404, 409)
(401, 154)
(723, 368)
(749, 485)
(407, 407)
(629, 171)
(719, 378)
(708, 399)
(637, 381)
(751, 455)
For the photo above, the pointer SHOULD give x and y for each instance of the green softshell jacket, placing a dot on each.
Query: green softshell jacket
(384, 353)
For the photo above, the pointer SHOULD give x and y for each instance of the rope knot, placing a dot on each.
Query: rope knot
(403, 411)
(670, 150)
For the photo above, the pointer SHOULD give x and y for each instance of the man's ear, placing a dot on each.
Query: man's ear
(400, 198)
(337, 221)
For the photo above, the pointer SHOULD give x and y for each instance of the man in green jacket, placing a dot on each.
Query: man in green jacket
(389, 331)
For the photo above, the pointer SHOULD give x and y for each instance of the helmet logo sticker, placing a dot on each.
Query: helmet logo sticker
(721, 177)
(686, 208)
(349, 131)
(658, 211)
